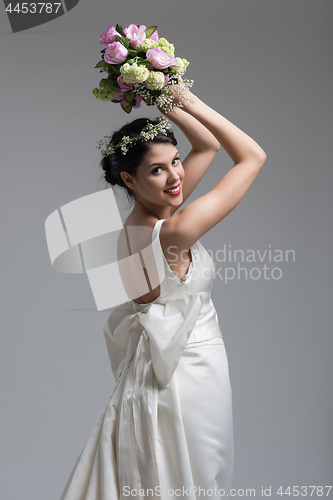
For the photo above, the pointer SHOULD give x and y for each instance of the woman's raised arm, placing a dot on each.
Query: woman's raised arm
(204, 148)
(191, 222)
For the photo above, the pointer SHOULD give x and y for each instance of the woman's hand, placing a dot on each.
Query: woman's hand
(180, 95)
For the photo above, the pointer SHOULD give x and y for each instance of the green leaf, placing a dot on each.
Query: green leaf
(132, 53)
(144, 62)
(126, 41)
(114, 70)
(123, 40)
(129, 96)
(105, 84)
(128, 108)
(102, 64)
(120, 30)
(150, 31)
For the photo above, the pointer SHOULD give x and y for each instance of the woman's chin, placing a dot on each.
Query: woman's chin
(175, 201)
(178, 201)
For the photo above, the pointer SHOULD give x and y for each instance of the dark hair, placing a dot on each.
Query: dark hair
(117, 162)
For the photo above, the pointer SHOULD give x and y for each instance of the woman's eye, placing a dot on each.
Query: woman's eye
(157, 169)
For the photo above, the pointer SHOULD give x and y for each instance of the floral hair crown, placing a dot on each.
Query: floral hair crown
(147, 134)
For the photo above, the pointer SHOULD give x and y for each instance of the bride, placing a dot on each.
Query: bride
(166, 431)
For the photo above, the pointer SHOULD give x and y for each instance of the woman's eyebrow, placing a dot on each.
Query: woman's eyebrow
(176, 155)
(155, 164)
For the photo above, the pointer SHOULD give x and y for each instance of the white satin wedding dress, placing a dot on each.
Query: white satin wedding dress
(167, 429)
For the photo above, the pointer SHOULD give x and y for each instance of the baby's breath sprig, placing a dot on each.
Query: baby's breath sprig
(147, 134)
(166, 102)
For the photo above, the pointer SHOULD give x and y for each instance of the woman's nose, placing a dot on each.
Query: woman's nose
(174, 175)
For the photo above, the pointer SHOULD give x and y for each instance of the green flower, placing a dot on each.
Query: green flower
(155, 80)
(181, 65)
(101, 95)
(134, 73)
(165, 45)
(146, 45)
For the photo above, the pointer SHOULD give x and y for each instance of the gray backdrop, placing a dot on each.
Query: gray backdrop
(266, 66)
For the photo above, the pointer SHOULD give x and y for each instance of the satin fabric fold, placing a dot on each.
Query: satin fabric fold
(168, 327)
(145, 348)
(158, 336)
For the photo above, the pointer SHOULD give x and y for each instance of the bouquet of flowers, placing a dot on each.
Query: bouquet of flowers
(140, 66)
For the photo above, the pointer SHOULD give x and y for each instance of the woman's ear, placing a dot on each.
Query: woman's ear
(128, 179)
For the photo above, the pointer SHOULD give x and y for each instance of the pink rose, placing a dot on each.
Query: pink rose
(108, 36)
(115, 53)
(124, 85)
(120, 97)
(135, 34)
(160, 59)
(137, 100)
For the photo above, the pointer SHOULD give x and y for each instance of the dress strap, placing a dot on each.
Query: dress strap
(158, 252)
(168, 270)
(157, 227)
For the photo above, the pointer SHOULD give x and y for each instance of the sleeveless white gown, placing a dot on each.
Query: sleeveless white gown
(167, 429)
